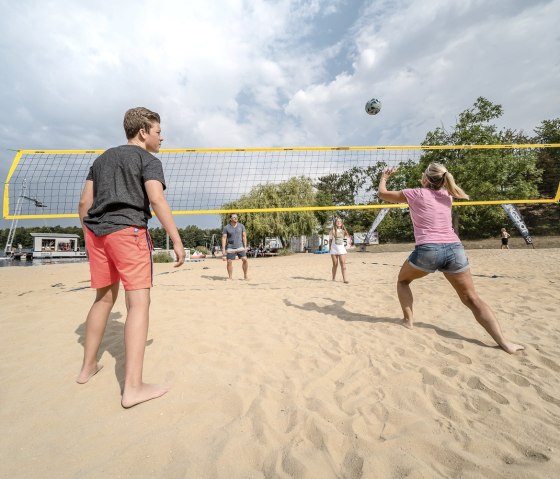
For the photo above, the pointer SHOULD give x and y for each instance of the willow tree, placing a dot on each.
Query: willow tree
(297, 191)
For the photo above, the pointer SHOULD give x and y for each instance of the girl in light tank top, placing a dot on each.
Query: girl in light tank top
(337, 249)
(438, 247)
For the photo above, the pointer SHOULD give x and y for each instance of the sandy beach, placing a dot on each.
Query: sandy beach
(288, 374)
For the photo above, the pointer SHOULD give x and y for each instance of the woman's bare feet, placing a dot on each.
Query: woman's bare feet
(87, 373)
(512, 347)
(407, 323)
(144, 392)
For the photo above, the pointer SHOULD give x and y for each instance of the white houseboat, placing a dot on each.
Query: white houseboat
(57, 245)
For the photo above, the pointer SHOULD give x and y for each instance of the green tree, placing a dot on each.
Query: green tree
(544, 219)
(483, 174)
(159, 238)
(396, 227)
(284, 224)
(338, 189)
(548, 158)
(352, 187)
(192, 236)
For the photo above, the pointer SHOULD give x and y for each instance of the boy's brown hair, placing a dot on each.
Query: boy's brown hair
(137, 118)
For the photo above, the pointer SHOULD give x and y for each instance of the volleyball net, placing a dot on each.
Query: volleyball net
(48, 183)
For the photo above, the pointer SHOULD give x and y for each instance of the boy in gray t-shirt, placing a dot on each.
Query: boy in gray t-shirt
(114, 210)
(234, 235)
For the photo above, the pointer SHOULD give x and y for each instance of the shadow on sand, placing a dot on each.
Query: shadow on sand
(113, 343)
(337, 310)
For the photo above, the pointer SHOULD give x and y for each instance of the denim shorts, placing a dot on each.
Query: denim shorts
(231, 255)
(445, 257)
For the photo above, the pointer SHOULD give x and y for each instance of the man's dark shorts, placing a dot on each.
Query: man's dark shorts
(231, 255)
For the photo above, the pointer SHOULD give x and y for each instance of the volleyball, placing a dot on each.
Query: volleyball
(373, 106)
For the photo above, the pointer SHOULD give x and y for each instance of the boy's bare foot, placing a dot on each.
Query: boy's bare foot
(144, 392)
(346, 281)
(87, 373)
(512, 347)
(407, 323)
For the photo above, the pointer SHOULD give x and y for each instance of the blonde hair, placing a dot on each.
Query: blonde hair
(438, 177)
(333, 230)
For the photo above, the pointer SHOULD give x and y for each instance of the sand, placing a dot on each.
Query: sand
(288, 374)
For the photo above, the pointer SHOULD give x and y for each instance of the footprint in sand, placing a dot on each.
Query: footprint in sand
(442, 406)
(519, 380)
(460, 357)
(292, 466)
(449, 372)
(530, 454)
(546, 397)
(526, 362)
(353, 466)
(476, 383)
(550, 364)
(432, 380)
(536, 456)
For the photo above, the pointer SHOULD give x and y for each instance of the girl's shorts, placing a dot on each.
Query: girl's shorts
(444, 257)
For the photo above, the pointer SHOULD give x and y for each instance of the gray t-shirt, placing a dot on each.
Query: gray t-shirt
(119, 195)
(234, 236)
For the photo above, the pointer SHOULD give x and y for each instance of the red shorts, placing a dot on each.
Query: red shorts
(125, 255)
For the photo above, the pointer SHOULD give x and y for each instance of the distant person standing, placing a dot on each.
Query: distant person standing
(505, 239)
(234, 245)
(337, 249)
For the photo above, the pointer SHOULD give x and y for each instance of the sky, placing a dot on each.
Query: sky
(276, 73)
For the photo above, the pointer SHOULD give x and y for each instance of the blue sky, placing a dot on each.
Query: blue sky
(234, 73)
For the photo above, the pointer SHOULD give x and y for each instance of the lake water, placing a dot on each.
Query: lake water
(38, 262)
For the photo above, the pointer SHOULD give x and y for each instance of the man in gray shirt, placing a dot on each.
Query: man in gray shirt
(234, 236)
